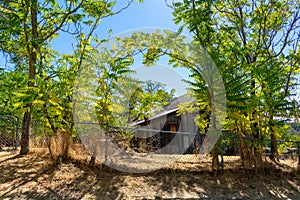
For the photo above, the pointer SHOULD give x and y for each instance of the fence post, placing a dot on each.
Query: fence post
(17, 132)
(106, 145)
(298, 151)
(14, 142)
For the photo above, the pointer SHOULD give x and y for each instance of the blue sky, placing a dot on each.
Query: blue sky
(151, 13)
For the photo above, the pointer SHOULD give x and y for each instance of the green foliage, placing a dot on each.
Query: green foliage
(147, 99)
(257, 64)
(13, 85)
(282, 148)
(46, 78)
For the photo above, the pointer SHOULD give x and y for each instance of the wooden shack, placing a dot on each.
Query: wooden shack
(168, 132)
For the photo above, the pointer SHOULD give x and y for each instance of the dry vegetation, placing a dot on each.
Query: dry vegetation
(35, 177)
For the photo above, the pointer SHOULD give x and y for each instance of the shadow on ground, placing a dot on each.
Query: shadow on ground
(34, 177)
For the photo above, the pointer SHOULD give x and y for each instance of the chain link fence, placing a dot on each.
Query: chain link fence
(230, 146)
(38, 134)
(9, 132)
(122, 146)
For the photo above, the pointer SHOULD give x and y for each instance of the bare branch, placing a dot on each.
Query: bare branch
(170, 5)
(63, 21)
(296, 18)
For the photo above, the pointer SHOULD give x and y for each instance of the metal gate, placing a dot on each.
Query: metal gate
(9, 132)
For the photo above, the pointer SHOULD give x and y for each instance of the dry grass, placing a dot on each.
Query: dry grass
(35, 177)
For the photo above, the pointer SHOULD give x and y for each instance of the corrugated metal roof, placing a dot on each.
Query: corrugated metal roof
(170, 108)
(178, 100)
(160, 114)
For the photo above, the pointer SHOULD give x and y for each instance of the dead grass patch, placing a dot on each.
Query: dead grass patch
(35, 177)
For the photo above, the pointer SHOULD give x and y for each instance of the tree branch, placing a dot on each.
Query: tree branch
(63, 21)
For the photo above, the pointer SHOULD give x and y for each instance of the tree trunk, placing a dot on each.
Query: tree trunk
(25, 133)
(256, 143)
(246, 151)
(274, 150)
(32, 58)
(215, 160)
(67, 140)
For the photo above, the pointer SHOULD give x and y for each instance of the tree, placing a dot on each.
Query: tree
(29, 26)
(260, 40)
(12, 83)
(172, 44)
(149, 97)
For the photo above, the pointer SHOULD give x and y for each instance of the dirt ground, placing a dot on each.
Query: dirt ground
(35, 177)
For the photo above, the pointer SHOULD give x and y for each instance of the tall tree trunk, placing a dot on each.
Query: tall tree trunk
(25, 133)
(257, 153)
(32, 58)
(245, 147)
(215, 160)
(274, 150)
